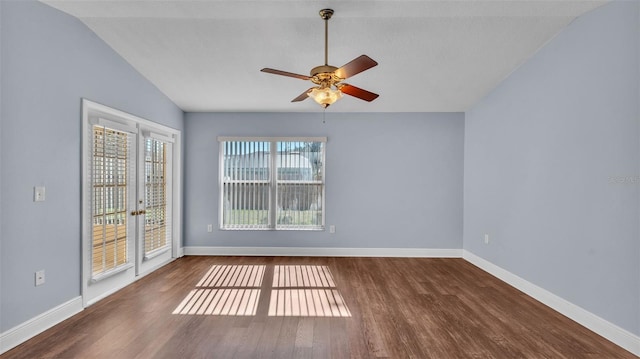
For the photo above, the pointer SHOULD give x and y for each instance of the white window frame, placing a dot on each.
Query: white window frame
(273, 182)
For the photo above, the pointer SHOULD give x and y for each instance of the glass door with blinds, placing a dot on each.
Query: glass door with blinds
(128, 208)
(109, 258)
(154, 184)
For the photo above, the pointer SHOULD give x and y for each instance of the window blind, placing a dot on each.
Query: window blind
(272, 183)
(110, 175)
(157, 221)
(246, 191)
(300, 185)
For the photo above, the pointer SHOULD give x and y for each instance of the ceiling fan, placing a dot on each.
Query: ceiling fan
(328, 79)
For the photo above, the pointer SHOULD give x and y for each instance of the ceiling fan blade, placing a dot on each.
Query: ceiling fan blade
(358, 92)
(303, 96)
(356, 66)
(284, 73)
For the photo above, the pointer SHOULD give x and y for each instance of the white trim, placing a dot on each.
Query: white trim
(34, 326)
(117, 126)
(112, 272)
(176, 182)
(272, 139)
(156, 252)
(220, 184)
(606, 329)
(162, 138)
(113, 113)
(323, 252)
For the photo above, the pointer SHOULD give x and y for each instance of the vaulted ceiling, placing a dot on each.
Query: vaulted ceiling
(433, 55)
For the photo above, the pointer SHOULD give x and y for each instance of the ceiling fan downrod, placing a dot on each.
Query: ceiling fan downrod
(326, 14)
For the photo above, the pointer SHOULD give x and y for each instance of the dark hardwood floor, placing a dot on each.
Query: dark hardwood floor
(399, 307)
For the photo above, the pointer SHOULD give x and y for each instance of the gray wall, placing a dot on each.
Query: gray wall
(392, 179)
(544, 153)
(49, 62)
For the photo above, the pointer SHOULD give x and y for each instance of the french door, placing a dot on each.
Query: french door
(128, 199)
(155, 202)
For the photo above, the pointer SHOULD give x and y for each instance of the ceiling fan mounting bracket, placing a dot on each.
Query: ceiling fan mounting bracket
(326, 14)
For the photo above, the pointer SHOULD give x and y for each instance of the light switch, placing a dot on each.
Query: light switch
(40, 277)
(38, 193)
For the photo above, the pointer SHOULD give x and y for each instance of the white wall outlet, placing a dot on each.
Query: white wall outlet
(486, 239)
(38, 193)
(332, 229)
(209, 228)
(39, 277)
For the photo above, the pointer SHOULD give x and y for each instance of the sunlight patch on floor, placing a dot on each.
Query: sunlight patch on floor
(225, 290)
(240, 302)
(296, 290)
(307, 303)
(302, 276)
(305, 291)
(233, 276)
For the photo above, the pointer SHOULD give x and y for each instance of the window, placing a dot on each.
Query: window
(272, 183)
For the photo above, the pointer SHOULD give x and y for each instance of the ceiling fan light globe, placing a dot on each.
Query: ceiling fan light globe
(325, 96)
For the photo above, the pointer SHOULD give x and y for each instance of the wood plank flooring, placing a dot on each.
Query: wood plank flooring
(399, 307)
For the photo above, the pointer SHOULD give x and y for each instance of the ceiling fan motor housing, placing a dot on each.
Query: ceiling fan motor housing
(323, 69)
(324, 76)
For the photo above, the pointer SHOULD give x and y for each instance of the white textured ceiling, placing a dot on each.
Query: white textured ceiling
(434, 56)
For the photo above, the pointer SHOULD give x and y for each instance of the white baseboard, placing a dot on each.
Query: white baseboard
(608, 330)
(323, 252)
(29, 329)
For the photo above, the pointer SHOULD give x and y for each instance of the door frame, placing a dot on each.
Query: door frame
(90, 109)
